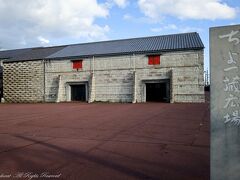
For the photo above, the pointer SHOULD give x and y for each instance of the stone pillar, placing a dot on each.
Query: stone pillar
(58, 99)
(225, 102)
(92, 89)
(134, 87)
(92, 86)
(172, 89)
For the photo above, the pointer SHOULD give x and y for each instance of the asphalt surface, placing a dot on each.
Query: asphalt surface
(104, 141)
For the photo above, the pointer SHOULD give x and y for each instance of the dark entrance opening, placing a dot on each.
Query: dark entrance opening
(158, 92)
(78, 92)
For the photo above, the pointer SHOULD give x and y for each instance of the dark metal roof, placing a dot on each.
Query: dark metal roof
(173, 42)
(12, 53)
(35, 53)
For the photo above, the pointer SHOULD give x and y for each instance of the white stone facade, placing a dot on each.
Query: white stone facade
(109, 79)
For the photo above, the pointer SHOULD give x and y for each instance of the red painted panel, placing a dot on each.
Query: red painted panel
(150, 60)
(153, 59)
(157, 60)
(77, 64)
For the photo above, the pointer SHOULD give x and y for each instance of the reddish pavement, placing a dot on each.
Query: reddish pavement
(105, 141)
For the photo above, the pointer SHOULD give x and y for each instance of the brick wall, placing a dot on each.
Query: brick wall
(23, 81)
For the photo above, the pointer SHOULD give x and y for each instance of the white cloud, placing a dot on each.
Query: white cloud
(121, 3)
(43, 40)
(142, 20)
(33, 23)
(127, 17)
(189, 29)
(166, 27)
(172, 28)
(187, 9)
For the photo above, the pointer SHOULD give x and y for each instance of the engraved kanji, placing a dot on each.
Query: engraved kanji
(232, 86)
(234, 118)
(232, 61)
(230, 37)
(227, 118)
(231, 101)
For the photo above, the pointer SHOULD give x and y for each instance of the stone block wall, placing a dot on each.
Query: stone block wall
(188, 85)
(23, 81)
(116, 78)
(188, 81)
(114, 86)
(112, 83)
(1, 81)
(54, 68)
(183, 69)
(113, 78)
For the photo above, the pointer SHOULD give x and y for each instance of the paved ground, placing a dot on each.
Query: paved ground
(105, 141)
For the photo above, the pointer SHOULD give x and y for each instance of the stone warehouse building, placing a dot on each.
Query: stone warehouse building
(1, 81)
(165, 68)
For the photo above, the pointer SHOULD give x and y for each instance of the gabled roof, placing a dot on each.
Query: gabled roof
(36, 53)
(175, 42)
(8, 54)
(154, 44)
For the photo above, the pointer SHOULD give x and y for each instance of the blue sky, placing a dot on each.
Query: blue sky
(36, 23)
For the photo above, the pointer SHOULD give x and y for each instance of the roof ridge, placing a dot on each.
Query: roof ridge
(34, 48)
(143, 37)
(169, 42)
(113, 40)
